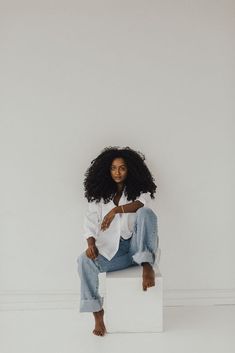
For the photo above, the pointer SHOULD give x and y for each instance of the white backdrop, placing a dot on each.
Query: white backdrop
(77, 76)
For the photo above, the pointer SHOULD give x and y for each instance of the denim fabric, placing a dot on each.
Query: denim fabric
(141, 247)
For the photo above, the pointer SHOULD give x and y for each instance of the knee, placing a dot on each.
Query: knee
(86, 264)
(146, 211)
(82, 259)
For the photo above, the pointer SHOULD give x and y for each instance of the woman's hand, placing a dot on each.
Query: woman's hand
(92, 252)
(108, 219)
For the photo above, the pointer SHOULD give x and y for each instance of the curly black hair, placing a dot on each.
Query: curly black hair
(99, 184)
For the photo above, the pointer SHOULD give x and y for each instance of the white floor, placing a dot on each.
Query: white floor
(186, 329)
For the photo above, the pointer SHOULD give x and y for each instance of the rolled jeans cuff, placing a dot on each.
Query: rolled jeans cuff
(91, 305)
(144, 256)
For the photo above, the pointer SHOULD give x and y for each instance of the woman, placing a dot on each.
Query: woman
(119, 226)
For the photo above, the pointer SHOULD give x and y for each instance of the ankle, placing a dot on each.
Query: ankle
(98, 313)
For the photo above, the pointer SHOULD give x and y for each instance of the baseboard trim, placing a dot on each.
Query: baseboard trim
(189, 297)
(39, 300)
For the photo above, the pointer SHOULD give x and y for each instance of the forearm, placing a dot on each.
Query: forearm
(128, 207)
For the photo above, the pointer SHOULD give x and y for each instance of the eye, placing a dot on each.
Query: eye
(122, 168)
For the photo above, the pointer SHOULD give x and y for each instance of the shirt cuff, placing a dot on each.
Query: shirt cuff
(88, 235)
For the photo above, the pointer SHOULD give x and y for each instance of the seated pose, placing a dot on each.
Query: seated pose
(120, 226)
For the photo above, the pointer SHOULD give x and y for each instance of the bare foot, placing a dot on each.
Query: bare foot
(100, 328)
(148, 276)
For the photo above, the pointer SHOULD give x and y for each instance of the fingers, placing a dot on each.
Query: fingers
(105, 225)
(92, 253)
(107, 220)
(96, 253)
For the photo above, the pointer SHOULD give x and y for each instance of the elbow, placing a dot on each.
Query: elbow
(139, 204)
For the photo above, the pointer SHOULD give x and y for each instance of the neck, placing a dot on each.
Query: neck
(120, 187)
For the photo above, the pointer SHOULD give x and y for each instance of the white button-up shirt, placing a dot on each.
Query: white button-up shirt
(107, 241)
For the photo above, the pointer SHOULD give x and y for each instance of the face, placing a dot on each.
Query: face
(118, 170)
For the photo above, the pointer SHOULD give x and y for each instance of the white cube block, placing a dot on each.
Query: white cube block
(127, 307)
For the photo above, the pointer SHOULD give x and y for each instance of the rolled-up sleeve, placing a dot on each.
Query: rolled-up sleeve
(144, 198)
(91, 220)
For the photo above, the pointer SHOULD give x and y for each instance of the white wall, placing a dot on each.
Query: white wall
(77, 76)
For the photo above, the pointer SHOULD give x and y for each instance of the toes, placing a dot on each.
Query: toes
(98, 333)
(150, 284)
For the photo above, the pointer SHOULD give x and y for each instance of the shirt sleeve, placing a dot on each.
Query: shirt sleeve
(91, 220)
(144, 198)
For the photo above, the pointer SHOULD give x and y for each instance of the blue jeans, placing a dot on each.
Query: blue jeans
(141, 247)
